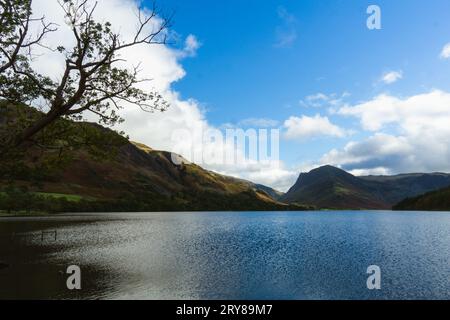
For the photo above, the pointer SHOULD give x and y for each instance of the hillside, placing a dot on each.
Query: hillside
(140, 178)
(438, 200)
(141, 174)
(398, 187)
(333, 188)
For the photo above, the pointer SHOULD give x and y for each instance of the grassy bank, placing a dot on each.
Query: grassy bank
(23, 213)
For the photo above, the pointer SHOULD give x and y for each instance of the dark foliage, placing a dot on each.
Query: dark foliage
(20, 200)
(432, 201)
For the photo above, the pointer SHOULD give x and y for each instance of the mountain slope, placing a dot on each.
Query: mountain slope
(330, 187)
(137, 175)
(398, 187)
(438, 200)
(138, 172)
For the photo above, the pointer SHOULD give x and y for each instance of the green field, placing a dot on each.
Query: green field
(68, 197)
(54, 195)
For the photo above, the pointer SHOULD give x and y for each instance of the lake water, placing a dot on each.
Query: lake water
(274, 255)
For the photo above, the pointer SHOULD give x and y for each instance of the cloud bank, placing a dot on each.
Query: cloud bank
(408, 134)
(305, 127)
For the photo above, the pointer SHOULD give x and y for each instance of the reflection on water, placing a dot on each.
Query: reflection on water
(276, 255)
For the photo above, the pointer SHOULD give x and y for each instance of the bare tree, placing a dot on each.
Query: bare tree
(93, 80)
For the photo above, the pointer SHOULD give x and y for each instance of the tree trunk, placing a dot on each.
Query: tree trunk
(36, 127)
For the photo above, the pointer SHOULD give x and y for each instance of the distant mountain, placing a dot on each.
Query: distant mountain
(333, 188)
(330, 187)
(274, 194)
(438, 200)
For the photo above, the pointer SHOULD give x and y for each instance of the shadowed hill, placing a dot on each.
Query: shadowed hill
(330, 187)
(438, 200)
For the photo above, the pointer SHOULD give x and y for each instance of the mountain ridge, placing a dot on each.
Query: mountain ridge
(333, 188)
(139, 177)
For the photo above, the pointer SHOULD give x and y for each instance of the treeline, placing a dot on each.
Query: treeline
(20, 200)
(432, 201)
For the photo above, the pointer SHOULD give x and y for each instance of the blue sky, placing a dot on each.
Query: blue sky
(281, 60)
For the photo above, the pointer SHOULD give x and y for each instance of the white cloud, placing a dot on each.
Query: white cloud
(380, 150)
(445, 53)
(305, 127)
(258, 123)
(410, 134)
(286, 33)
(379, 171)
(318, 96)
(273, 173)
(285, 38)
(414, 114)
(251, 123)
(391, 77)
(191, 45)
(320, 99)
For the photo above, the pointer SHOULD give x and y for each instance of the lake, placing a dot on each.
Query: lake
(242, 255)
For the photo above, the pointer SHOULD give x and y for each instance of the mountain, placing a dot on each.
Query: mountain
(333, 188)
(330, 187)
(139, 173)
(274, 194)
(139, 178)
(438, 200)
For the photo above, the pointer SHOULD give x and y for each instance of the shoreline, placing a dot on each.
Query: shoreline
(47, 214)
